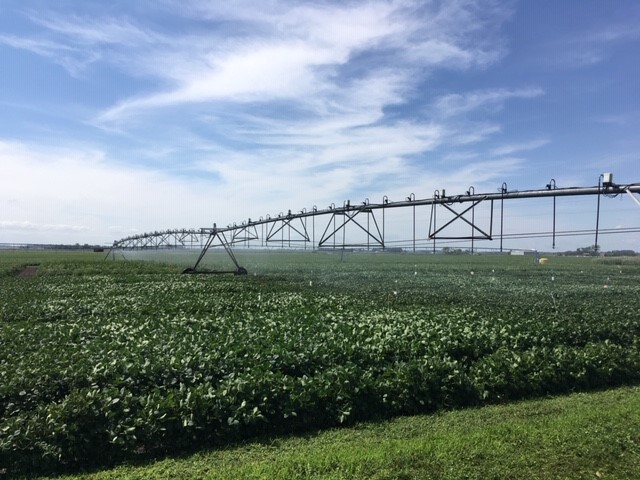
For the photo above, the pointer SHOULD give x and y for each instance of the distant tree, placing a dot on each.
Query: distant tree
(591, 250)
(621, 253)
(452, 251)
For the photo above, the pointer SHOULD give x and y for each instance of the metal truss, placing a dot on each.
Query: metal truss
(219, 235)
(290, 222)
(179, 238)
(291, 229)
(339, 220)
(244, 233)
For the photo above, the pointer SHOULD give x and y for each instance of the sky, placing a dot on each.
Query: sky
(120, 117)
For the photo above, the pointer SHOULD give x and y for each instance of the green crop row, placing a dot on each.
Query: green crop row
(107, 361)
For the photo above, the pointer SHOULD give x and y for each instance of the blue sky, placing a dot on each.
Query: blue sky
(123, 117)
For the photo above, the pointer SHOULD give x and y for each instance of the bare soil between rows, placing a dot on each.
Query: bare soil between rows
(29, 271)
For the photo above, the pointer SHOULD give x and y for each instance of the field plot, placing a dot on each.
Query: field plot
(103, 361)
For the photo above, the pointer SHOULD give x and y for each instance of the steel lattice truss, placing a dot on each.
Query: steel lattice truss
(293, 229)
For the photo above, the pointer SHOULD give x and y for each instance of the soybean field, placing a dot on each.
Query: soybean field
(107, 361)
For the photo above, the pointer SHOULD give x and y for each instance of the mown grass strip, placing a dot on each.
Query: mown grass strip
(594, 435)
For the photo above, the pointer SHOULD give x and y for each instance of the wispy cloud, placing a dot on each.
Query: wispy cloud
(309, 54)
(42, 47)
(590, 48)
(338, 66)
(29, 226)
(481, 172)
(73, 59)
(75, 42)
(492, 99)
(617, 119)
(335, 69)
(84, 30)
(520, 147)
(304, 88)
(87, 190)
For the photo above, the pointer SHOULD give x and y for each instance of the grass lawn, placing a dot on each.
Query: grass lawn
(580, 436)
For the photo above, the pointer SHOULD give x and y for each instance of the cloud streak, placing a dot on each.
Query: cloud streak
(306, 55)
(492, 99)
(592, 47)
(29, 226)
(338, 67)
(520, 147)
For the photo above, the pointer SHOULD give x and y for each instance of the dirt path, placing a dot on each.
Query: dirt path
(29, 271)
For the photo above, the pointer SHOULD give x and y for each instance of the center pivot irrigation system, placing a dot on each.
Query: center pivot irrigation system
(363, 217)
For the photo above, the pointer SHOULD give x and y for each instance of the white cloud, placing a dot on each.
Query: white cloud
(48, 189)
(307, 91)
(456, 103)
(73, 59)
(29, 226)
(42, 47)
(289, 55)
(75, 42)
(85, 30)
(519, 147)
(255, 73)
(482, 172)
(459, 157)
(304, 53)
(587, 49)
(473, 133)
(259, 58)
(617, 119)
